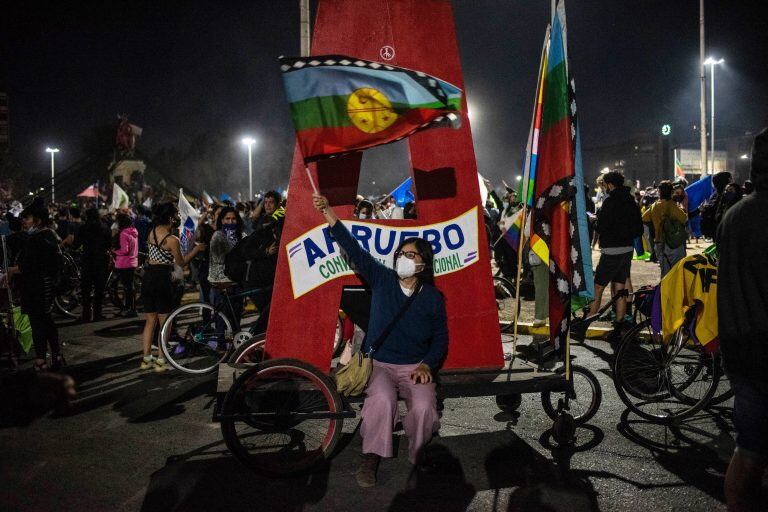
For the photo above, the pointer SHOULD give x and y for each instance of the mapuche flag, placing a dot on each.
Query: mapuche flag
(342, 104)
(559, 189)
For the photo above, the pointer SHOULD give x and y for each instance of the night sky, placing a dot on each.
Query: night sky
(188, 70)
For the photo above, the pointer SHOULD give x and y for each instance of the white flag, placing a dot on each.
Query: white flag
(119, 198)
(189, 217)
(147, 203)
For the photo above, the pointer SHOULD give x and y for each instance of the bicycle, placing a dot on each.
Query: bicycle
(196, 337)
(665, 382)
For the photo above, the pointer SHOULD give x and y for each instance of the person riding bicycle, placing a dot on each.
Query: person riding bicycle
(410, 354)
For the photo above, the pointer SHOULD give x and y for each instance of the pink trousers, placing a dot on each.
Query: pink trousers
(380, 412)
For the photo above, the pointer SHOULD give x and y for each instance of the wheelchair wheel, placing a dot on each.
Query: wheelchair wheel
(278, 418)
(585, 401)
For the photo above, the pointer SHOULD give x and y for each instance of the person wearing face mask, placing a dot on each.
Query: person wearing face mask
(229, 231)
(365, 210)
(410, 310)
(37, 269)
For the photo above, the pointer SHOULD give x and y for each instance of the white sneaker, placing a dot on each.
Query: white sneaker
(147, 362)
(160, 365)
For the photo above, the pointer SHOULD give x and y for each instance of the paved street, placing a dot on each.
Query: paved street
(141, 441)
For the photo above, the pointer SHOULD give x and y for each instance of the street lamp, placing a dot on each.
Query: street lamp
(712, 63)
(52, 151)
(250, 141)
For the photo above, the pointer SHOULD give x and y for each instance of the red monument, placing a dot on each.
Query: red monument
(311, 273)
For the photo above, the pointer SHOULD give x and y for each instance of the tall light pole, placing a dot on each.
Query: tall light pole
(712, 63)
(304, 27)
(52, 151)
(703, 102)
(250, 141)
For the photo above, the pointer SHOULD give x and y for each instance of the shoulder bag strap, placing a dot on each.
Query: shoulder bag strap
(380, 341)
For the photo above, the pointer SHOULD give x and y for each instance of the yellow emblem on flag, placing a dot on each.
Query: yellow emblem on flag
(370, 111)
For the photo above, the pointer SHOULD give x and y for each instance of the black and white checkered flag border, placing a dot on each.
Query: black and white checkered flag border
(430, 83)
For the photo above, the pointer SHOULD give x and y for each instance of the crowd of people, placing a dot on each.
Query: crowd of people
(623, 221)
(37, 238)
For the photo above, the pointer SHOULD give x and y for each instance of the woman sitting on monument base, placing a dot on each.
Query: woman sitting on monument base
(413, 349)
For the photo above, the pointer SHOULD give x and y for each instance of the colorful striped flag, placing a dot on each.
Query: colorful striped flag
(342, 104)
(559, 207)
(514, 230)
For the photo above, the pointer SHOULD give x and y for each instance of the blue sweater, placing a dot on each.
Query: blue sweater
(421, 334)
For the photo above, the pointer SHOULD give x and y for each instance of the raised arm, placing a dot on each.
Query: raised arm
(365, 264)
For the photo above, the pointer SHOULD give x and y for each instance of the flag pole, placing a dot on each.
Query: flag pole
(311, 180)
(526, 179)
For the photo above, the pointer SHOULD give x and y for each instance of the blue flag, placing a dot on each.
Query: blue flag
(402, 194)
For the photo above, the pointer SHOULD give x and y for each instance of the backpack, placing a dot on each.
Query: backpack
(247, 262)
(674, 232)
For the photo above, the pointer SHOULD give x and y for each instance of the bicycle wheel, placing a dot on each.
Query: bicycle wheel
(68, 300)
(504, 291)
(277, 417)
(252, 351)
(724, 390)
(663, 382)
(196, 337)
(585, 401)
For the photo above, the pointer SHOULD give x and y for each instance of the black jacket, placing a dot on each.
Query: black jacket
(618, 220)
(39, 263)
(742, 287)
(96, 240)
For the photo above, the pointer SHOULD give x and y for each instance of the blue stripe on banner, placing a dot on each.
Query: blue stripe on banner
(581, 219)
(397, 86)
(556, 51)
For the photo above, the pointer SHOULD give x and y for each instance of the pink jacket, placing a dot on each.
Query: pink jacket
(127, 256)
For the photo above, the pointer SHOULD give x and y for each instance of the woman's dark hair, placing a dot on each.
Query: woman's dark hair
(37, 210)
(424, 248)
(124, 221)
(239, 220)
(409, 212)
(164, 213)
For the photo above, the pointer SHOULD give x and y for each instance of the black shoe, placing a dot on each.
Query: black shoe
(58, 362)
(617, 333)
(366, 473)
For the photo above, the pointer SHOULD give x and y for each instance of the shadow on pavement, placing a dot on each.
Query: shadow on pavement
(139, 396)
(121, 329)
(697, 449)
(456, 469)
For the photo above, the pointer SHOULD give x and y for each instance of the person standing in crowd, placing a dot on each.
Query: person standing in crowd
(618, 224)
(264, 211)
(229, 231)
(157, 285)
(38, 268)
(666, 215)
(95, 239)
(747, 188)
(126, 261)
(713, 209)
(62, 224)
(742, 309)
(414, 347)
(203, 236)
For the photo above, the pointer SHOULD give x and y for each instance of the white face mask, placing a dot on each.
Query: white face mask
(363, 216)
(405, 267)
